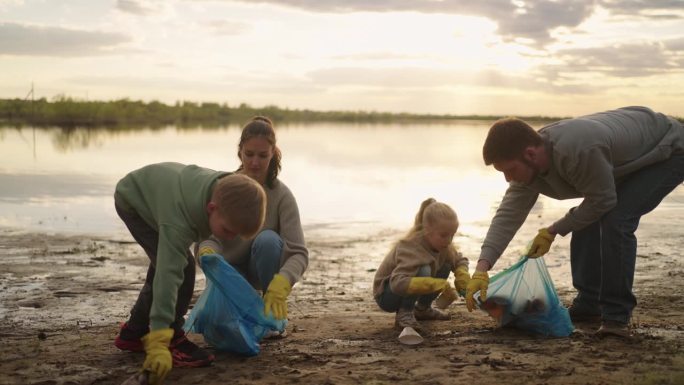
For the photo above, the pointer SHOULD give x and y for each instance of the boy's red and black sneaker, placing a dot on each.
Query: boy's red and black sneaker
(184, 352)
(187, 354)
(129, 339)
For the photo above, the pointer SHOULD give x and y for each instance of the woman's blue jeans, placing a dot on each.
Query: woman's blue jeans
(391, 302)
(265, 259)
(603, 254)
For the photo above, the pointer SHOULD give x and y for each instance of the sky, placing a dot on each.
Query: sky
(501, 57)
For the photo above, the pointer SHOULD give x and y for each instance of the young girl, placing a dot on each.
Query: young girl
(416, 268)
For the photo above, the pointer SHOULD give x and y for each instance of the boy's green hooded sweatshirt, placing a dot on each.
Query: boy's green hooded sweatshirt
(172, 198)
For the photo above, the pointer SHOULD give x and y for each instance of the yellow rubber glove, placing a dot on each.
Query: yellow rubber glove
(206, 247)
(461, 279)
(541, 244)
(479, 281)
(446, 297)
(205, 250)
(275, 299)
(158, 356)
(425, 285)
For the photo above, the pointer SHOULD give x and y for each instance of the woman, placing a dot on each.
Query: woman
(277, 257)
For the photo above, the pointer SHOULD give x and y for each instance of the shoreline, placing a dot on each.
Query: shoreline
(64, 296)
(67, 112)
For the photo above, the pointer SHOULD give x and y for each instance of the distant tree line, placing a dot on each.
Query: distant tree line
(68, 112)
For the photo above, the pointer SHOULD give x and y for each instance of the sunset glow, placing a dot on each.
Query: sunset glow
(449, 57)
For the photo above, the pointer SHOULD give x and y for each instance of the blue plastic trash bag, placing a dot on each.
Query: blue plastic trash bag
(230, 313)
(523, 296)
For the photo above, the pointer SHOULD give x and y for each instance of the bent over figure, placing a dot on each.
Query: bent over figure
(621, 162)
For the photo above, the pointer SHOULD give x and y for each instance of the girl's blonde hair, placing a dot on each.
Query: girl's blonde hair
(430, 213)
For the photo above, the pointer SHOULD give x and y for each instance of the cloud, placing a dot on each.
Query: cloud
(415, 78)
(659, 9)
(626, 60)
(378, 56)
(140, 7)
(431, 6)
(675, 44)
(151, 82)
(31, 40)
(11, 3)
(226, 27)
(536, 19)
(575, 74)
(235, 82)
(532, 20)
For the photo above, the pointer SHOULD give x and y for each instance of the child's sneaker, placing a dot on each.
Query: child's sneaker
(429, 313)
(275, 334)
(405, 318)
(129, 339)
(186, 354)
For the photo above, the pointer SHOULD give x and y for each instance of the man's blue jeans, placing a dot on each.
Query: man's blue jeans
(603, 254)
(265, 260)
(391, 302)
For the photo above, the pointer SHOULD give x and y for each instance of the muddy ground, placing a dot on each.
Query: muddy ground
(64, 296)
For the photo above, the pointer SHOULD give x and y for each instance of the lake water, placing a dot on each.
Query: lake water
(350, 176)
(60, 180)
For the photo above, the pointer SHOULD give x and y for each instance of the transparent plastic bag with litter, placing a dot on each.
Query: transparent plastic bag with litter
(230, 313)
(523, 296)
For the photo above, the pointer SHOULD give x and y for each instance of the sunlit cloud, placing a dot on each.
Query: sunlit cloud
(407, 79)
(35, 40)
(10, 3)
(535, 19)
(422, 56)
(625, 60)
(431, 6)
(268, 85)
(226, 27)
(140, 7)
(152, 82)
(372, 56)
(527, 21)
(675, 45)
(657, 9)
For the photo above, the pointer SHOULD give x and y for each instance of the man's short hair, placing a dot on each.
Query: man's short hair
(241, 201)
(507, 139)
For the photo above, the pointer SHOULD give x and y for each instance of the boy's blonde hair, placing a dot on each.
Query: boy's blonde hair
(241, 201)
(429, 213)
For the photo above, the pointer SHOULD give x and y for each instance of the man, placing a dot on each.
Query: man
(621, 162)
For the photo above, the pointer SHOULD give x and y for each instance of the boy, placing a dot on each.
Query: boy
(167, 207)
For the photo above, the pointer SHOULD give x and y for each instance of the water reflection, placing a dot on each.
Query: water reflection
(358, 183)
(76, 138)
(376, 174)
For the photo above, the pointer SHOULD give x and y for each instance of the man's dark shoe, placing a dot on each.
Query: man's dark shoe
(577, 315)
(130, 339)
(186, 354)
(614, 328)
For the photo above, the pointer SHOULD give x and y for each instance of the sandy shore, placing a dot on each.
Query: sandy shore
(64, 296)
